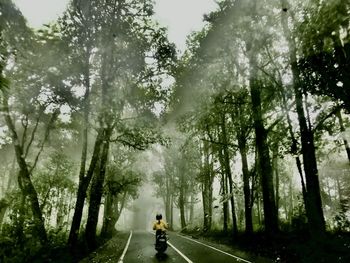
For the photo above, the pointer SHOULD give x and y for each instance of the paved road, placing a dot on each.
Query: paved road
(181, 249)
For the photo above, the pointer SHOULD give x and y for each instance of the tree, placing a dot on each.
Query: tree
(313, 199)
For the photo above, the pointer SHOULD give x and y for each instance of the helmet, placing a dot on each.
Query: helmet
(159, 216)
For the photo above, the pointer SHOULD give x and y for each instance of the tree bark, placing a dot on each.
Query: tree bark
(24, 178)
(112, 214)
(224, 190)
(81, 194)
(206, 189)
(96, 193)
(271, 219)
(342, 129)
(242, 144)
(229, 174)
(275, 171)
(84, 180)
(182, 200)
(314, 204)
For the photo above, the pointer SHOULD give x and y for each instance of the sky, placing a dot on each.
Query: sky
(179, 16)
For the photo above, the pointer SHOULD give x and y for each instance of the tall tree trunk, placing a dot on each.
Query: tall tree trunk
(167, 207)
(81, 194)
(224, 190)
(112, 214)
(24, 178)
(242, 144)
(171, 212)
(182, 199)
(265, 169)
(275, 171)
(340, 194)
(229, 173)
(10, 184)
(314, 204)
(192, 208)
(84, 180)
(206, 189)
(225, 204)
(107, 214)
(96, 193)
(294, 146)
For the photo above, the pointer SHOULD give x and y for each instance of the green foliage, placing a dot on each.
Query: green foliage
(341, 219)
(123, 180)
(325, 50)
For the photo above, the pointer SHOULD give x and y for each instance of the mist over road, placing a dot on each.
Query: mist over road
(180, 249)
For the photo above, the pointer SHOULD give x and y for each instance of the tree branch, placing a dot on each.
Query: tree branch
(330, 114)
(25, 126)
(47, 133)
(32, 135)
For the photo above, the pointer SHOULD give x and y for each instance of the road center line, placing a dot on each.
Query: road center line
(178, 251)
(125, 249)
(228, 254)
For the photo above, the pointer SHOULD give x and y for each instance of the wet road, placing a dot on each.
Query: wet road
(180, 249)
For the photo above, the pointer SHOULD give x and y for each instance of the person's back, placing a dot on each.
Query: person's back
(159, 224)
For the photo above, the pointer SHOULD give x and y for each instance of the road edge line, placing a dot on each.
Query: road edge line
(125, 249)
(214, 248)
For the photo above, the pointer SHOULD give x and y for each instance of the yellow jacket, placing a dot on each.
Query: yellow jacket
(161, 224)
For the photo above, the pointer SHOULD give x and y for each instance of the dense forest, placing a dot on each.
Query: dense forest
(243, 137)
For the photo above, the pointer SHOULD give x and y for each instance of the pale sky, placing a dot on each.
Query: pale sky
(180, 16)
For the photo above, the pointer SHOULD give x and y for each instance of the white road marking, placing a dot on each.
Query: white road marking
(178, 251)
(182, 255)
(125, 249)
(228, 254)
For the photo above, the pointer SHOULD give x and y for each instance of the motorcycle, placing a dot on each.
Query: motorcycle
(161, 241)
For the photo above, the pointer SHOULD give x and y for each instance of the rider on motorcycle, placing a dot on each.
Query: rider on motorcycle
(161, 238)
(160, 225)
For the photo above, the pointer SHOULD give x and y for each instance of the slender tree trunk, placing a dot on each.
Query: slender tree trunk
(342, 129)
(167, 198)
(224, 187)
(275, 170)
(206, 189)
(291, 202)
(242, 144)
(10, 184)
(269, 204)
(313, 203)
(96, 193)
(3, 207)
(182, 200)
(107, 214)
(340, 195)
(294, 146)
(167, 207)
(81, 194)
(192, 208)
(172, 212)
(229, 174)
(26, 184)
(225, 204)
(258, 208)
(112, 215)
(84, 180)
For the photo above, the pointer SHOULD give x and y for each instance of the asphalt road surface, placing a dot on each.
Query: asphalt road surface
(140, 248)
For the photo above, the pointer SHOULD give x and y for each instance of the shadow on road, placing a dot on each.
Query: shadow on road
(160, 257)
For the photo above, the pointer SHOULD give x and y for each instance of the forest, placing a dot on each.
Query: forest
(243, 138)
